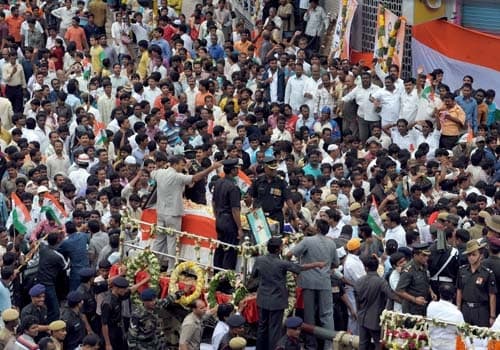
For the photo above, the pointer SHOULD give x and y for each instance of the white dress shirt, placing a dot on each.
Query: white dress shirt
(366, 110)
(443, 338)
(408, 141)
(397, 233)
(409, 106)
(390, 103)
(294, 92)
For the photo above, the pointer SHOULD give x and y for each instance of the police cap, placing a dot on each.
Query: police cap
(235, 321)
(293, 322)
(10, 315)
(87, 272)
(148, 294)
(37, 290)
(120, 282)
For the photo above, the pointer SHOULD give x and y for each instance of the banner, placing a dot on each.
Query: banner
(342, 34)
(389, 38)
(457, 51)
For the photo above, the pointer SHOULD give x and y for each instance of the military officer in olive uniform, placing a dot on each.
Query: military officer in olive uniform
(111, 315)
(145, 328)
(291, 340)
(270, 192)
(75, 327)
(226, 204)
(476, 288)
(493, 262)
(89, 315)
(414, 284)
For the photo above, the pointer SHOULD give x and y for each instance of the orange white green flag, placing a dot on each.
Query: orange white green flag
(19, 216)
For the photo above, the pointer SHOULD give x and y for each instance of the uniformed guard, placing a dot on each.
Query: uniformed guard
(414, 283)
(75, 326)
(145, 328)
(226, 204)
(291, 340)
(10, 319)
(493, 262)
(476, 288)
(237, 343)
(236, 325)
(58, 333)
(37, 309)
(111, 314)
(270, 192)
(89, 315)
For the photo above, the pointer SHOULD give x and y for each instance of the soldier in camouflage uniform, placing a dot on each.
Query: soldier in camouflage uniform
(145, 325)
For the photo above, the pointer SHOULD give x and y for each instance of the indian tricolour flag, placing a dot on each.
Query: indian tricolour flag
(243, 181)
(52, 206)
(374, 220)
(100, 133)
(19, 215)
(458, 51)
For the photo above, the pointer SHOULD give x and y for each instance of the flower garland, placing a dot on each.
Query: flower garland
(292, 295)
(396, 336)
(200, 281)
(344, 25)
(381, 33)
(239, 291)
(146, 262)
(392, 42)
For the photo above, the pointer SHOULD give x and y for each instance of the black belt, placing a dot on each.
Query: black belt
(474, 305)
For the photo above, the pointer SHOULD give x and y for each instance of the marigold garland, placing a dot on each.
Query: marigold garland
(145, 261)
(291, 285)
(200, 281)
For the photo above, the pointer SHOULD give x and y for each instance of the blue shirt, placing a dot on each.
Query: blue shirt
(492, 109)
(5, 302)
(166, 51)
(74, 247)
(216, 52)
(469, 106)
(309, 170)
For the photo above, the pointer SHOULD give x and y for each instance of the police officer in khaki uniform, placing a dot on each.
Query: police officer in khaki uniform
(414, 284)
(10, 319)
(476, 288)
(58, 333)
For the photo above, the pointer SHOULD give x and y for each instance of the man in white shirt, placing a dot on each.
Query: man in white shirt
(444, 338)
(294, 92)
(317, 22)
(152, 91)
(353, 271)
(79, 177)
(368, 117)
(65, 14)
(117, 79)
(409, 101)
(106, 103)
(402, 136)
(392, 221)
(311, 88)
(387, 102)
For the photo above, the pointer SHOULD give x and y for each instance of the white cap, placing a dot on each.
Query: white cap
(130, 160)
(341, 252)
(83, 158)
(37, 87)
(42, 189)
(333, 147)
(177, 22)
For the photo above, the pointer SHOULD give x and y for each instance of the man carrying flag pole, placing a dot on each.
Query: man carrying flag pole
(374, 220)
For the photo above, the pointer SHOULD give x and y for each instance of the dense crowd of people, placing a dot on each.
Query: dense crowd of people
(98, 117)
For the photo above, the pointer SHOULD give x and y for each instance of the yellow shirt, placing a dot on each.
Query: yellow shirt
(142, 67)
(449, 127)
(96, 56)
